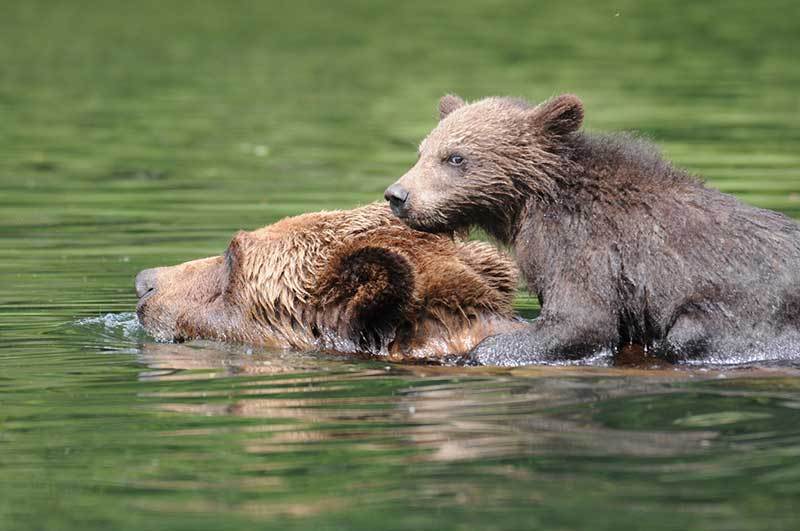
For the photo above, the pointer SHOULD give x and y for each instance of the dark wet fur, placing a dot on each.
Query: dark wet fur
(636, 251)
(623, 248)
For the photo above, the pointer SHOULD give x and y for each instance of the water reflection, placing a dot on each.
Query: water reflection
(430, 413)
(233, 118)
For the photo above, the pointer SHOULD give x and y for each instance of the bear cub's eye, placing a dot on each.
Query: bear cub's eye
(455, 160)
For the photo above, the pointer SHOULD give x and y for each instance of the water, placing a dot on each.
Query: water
(143, 134)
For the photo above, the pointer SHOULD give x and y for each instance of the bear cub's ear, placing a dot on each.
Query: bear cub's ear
(448, 104)
(561, 115)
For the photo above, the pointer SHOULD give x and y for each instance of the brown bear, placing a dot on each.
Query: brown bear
(621, 247)
(350, 281)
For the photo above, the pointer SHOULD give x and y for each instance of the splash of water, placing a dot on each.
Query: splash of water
(115, 325)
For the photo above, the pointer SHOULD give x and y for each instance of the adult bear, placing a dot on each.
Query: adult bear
(620, 246)
(347, 281)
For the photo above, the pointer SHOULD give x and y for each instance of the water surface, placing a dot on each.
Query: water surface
(143, 134)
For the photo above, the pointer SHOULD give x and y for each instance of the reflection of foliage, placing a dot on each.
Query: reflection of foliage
(144, 133)
(728, 414)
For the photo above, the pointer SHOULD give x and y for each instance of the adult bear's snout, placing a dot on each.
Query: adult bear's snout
(397, 197)
(146, 281)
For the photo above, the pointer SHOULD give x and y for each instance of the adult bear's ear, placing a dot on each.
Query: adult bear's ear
(560, 116)
(448, 104)
(368, 291)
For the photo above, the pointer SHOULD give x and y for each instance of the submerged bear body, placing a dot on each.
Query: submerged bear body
(620, 246)
(354, 281)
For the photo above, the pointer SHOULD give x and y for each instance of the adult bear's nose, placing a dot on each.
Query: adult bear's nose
(397, 196)
(146, 281)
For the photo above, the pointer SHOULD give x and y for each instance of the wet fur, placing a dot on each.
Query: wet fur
(354, 281)
(620, 246)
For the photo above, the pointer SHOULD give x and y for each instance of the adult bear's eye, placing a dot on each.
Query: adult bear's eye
(455, 160)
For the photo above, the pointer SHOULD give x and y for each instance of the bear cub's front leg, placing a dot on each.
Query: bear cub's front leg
(550, 339)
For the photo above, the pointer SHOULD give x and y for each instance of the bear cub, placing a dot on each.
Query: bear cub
(620, 247)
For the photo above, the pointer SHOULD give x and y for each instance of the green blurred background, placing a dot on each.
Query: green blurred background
(269, 108)
(136, 134)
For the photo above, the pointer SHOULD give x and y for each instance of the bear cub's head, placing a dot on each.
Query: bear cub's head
(483, 160)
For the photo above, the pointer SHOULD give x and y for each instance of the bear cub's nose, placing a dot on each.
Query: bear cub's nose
(397, 196)
(145, 282)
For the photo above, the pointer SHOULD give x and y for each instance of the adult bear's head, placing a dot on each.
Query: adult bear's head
(346, 281)
(483, 161)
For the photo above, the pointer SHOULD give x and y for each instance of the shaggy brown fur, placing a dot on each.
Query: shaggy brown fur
(344, 281)
(620, 246)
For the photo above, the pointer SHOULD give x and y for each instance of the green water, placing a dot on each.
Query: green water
(145, 133)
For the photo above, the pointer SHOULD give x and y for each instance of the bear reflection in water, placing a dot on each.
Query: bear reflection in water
(470, 413)
(356, 281)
